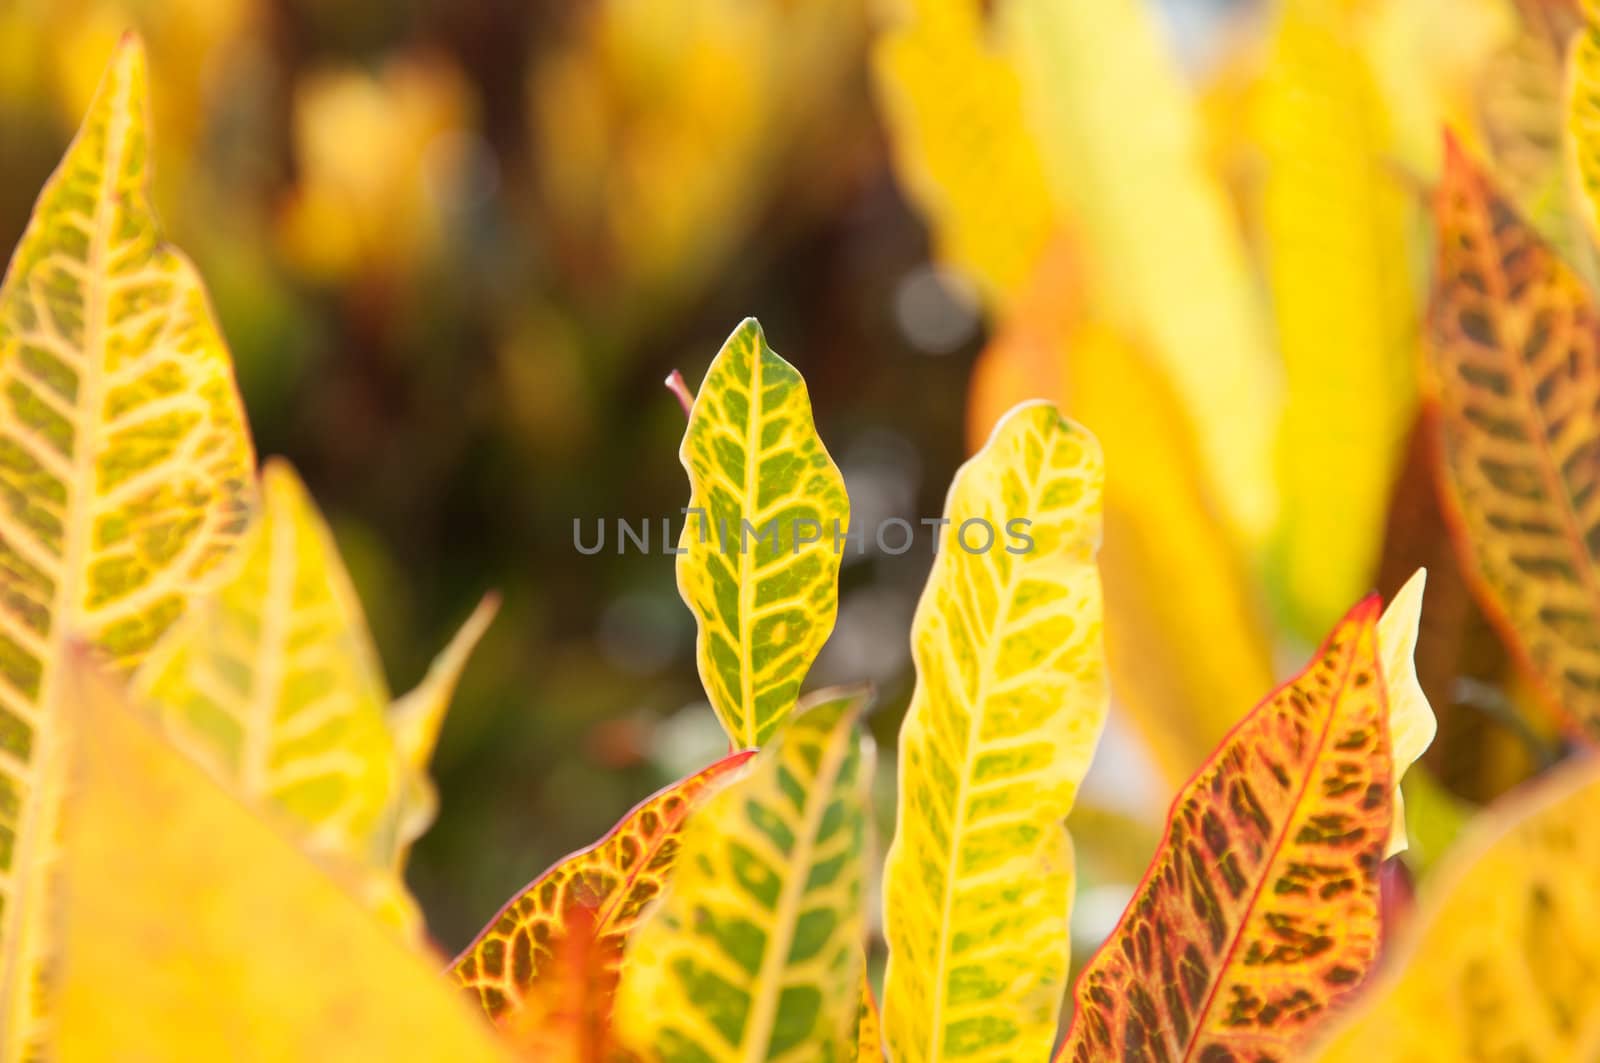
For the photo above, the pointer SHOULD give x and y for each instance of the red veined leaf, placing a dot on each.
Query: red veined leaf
(614, 879)
(1514, 376)
(565, 1015)
(1260, 912)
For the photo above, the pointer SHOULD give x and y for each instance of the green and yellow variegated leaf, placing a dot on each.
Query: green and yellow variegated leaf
(1260, 912)
(756, 950)
(272, 682)
(759, 560)
(1412, 724)
(1501, 957)
(614, 879)
(1120, 137)
(962, 146)
(1008, 706)
(212, 936)
(125, 471)
(415, 719)
(1338, 220)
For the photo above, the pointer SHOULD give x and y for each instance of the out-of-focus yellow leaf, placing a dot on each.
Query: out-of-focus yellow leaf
(758, 561)
(1338, 221)
(1583, 117)
(660, 128)
(1186, 600)
(415, 719)
(1429, 56)
(962, 145)
(125, 471)
(1411, 720)
(271, 681)
(379, 161)
(1119, 135)
(1008, 707)
(1501, 960)
(193, 930)
(755, 952)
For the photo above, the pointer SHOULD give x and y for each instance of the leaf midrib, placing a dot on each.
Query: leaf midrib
(974, 720)
(758, 1034)
(1367, 630)
(23, 925)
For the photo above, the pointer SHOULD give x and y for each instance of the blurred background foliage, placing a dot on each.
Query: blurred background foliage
(456, 245)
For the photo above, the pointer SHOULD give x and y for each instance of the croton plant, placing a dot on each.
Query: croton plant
(207, 791)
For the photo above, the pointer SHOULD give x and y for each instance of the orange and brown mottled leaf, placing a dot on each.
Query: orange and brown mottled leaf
(1260, 912)
(616, 877)
(1513, 346)
(565, 1016)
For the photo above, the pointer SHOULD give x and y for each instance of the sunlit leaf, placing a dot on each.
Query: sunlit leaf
(565, 1015)
(215, 938)
(1338, 220)
(869, 1027)
(125, 471)
(962, 145)
(614, 879)
(1186, 600)
(415, 718)
(1411, 721)
(1515, 375)
(762, 543)
(272, 682)
(1501, 961)
(1119, 135)
(1260, 912)
(755, 952)
(1583, 117)
(1009, 703)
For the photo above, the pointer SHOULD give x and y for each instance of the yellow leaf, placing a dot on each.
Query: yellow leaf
(1009, 703)
(1121, 143)
(759, 557)
(1583, 119)
(755, 951)
(125, 465)
(272, 682)
(961, 144)
(1411, 720)
(415, 719)
(195, 931)
(1338, 220)
(1500, 959)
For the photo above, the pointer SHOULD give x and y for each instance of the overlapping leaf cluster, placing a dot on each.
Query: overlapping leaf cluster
(188, 695)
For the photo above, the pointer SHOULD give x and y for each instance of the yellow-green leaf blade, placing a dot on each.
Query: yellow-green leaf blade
(1119, 135)
(1337, 221)
(215, 935)
(1583, 117)
(962, 147)
(755, 952)
(1009, 703)
(125, 469)
(1504, 944)
(271, 681)
(759, 565)
(414, 722)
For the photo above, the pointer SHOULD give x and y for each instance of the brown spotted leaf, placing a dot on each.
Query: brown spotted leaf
(1514, 371)
(1260, 912)
(613, 880)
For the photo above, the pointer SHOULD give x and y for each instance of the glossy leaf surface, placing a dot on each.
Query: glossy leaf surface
(1009, 703)
(1260, 912)
(760, 564)
(613, 880)
(755, 952)
(125, 471)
